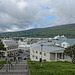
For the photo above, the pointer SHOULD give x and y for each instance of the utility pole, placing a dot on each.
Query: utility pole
(41, 55)
(6, 63)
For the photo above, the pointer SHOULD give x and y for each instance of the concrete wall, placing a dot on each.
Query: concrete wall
(52, 56)
(35, 55)
(22, 43)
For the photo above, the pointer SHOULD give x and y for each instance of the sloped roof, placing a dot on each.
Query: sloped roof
(70, 41)
(46, 48)
(9, 42)
(24, 46)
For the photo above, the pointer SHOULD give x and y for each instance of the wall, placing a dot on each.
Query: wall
(34, 53)
(52, 56)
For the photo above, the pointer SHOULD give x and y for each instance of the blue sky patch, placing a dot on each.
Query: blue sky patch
(46, 7)
(49, 18)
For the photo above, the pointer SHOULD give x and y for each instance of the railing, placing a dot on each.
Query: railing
(28, 71)
(11, 66)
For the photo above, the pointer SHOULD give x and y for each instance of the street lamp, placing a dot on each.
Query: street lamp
(41, 55)
(6, 62)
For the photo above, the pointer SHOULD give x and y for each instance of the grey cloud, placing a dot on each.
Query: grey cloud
(26, 14)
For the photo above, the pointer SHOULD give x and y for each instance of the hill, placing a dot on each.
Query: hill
(67, 30)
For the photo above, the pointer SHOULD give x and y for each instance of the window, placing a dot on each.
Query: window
(63, 44)
(40, 52)
(36, 51)
(36, 57)
(44, 54)
(33, 51)
(8, 48)
(33, 56)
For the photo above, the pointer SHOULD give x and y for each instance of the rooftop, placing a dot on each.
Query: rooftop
(70, 41)
(46, 47)
(9, 42)
(24, 46)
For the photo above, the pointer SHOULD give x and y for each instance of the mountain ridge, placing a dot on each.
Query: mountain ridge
(68, 30)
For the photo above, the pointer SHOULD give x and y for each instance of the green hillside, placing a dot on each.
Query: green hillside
(67, 30)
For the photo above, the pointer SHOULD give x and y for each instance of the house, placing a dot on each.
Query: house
(64, 43)
(47, 52)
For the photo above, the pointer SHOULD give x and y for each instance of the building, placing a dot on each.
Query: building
(49, 52)
(11, 47)
(64, 43)
(25, 49)
(22, 42)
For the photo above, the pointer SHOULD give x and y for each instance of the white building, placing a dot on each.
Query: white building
(48, 53)
(22, 42)
(65, 45)
(11, 47)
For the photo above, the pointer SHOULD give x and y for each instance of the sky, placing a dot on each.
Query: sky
(17, 15)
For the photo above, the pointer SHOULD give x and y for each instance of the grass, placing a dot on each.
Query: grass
(4, 62)
(52, 68)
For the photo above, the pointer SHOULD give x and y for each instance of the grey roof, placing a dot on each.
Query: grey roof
(70, 41)
(47, 43)
(10, 42)
(23, 46)
(46, 48)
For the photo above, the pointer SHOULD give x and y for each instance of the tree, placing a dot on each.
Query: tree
(2, 49)
(70, 51)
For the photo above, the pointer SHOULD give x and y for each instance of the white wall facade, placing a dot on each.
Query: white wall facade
(53, 56)
(35, 55)
(65, 44)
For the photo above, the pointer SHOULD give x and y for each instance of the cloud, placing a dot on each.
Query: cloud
(47, 8)
(16, 15)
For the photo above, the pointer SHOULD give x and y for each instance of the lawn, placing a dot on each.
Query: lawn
(2, 62)
(52, 68)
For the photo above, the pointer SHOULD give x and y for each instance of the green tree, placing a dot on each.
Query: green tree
(70, 51)
(2, 49)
